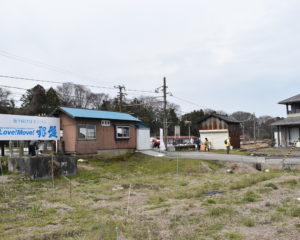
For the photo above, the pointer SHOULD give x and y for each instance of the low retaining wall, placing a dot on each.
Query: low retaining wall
(40, 167)
(116, 151)
(262, 166)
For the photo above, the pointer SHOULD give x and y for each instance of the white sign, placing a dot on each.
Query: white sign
(177, 131)
(162, 146)
(20, 127)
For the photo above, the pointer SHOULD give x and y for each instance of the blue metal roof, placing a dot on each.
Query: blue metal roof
(87, 113)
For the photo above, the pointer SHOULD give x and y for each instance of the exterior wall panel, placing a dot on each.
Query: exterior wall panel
(68, 125)
(214, 124)
(105, 136)
(215, 137)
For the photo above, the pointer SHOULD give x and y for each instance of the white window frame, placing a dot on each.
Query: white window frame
(122, 137)
(105, 123)
(86, 127)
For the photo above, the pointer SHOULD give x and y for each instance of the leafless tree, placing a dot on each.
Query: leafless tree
(76, 95)
(96, 100)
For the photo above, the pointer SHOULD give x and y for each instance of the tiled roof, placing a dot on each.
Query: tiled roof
(87, 113)
(291, 99)
(287, 121)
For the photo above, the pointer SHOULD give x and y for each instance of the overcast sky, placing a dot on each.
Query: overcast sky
(227, 55)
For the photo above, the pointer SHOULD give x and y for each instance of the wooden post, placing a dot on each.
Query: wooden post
(21, 149)
(11, 148)
(52, 170)
(2, 150)
(56, 146)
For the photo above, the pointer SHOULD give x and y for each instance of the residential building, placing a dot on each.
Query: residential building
(85, 131)
(217, 128)
(287, 130)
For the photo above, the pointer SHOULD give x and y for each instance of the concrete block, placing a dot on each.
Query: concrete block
(40, 167)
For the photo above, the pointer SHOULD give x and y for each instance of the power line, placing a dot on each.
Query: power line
(187, 101)
(48, 81)
(42, 65)
(13, 87)
(56, 69)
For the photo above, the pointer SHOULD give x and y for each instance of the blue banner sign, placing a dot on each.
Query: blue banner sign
(19, 127)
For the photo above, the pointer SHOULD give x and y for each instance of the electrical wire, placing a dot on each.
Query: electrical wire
(56, 69)
(42, 65)
(57, 82)
(187, 101)
(12, 87)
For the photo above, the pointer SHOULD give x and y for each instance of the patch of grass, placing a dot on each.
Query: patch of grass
(290, 182)
(183, 183)
(250, 180)
(248, 222)
(220, 211)
(36, 207)
(250, 196)
(281, 209)
(271, 185)
(295, 212)
(297, 225)
(175, 220)
(216, 227)
(162, 204)
(276, 217)
(233, 151)
(209, 201)
(156, 199)
(233, 236)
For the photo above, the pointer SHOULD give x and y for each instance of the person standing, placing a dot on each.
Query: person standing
(206, 145)
(198, 142)
(228, 145)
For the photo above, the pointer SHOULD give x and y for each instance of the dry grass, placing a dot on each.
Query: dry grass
(162, 204)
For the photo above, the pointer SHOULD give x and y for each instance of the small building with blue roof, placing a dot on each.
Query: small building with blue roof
(86, 131)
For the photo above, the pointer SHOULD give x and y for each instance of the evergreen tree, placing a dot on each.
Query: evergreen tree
(53, 101)
(34, 101)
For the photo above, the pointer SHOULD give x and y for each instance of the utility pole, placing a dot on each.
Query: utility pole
(254, 128)
(165, 113)
(165, 121)
(121, 95)
(189, 124)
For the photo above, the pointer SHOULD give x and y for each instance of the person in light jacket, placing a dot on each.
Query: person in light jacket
(206, 145)
(228, 145)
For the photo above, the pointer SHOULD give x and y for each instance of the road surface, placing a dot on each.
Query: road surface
(222, 157)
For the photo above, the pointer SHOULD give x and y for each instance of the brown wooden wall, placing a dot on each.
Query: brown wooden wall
(68, 125)
(105, 136)
(234, 134)
(214, 123)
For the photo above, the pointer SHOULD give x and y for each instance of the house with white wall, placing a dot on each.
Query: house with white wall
(287, 130)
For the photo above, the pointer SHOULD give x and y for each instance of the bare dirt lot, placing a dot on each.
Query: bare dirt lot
(142, 197)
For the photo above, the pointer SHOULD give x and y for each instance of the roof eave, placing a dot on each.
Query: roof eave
(65, 112)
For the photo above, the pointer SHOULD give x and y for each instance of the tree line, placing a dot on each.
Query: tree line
(42, 102)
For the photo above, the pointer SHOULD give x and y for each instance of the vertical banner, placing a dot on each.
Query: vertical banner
(177, 130)
(162, 146)
(21, 127)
